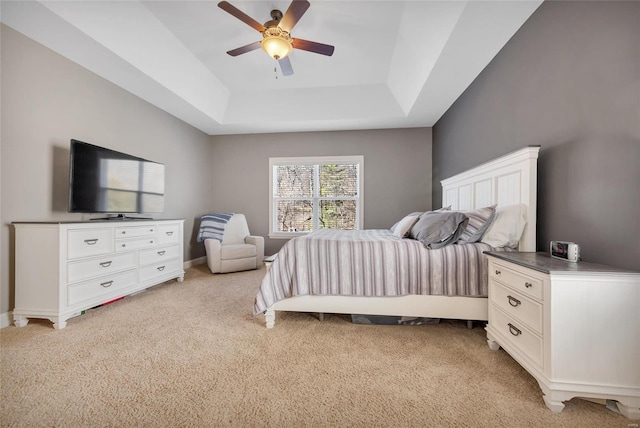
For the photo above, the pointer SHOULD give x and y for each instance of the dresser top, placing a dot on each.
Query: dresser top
(544, 263)
(114, 220)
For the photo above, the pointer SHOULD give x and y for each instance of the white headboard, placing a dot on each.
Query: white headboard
(507, 180)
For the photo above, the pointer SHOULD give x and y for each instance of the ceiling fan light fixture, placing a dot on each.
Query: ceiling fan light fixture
(276, 42)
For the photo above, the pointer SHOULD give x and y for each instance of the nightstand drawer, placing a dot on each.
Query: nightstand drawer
(521, 281)
(516, 334)
(516, 305)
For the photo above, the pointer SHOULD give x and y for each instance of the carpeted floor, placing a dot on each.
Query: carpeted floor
(191, 354)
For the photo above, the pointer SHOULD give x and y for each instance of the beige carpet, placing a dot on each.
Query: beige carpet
(191, 354)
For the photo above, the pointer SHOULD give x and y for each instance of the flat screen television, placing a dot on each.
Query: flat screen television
(106, 181)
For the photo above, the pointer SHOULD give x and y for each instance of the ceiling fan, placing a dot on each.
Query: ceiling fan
(276, 34)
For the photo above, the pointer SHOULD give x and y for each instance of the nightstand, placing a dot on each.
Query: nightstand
(575, 327)
(268, 261)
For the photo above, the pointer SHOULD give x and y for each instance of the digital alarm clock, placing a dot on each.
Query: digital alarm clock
(563, 250)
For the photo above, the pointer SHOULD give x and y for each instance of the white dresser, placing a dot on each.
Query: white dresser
(62, 268)
(575, 327)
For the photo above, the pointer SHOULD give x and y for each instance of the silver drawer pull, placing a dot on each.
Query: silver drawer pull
(150, 242)
(123, 245)
(107, 284)
(528, 284)
(91, 241)
(513, 301)
(124, 232)
(169, 233)
(514, 330)
(150, 230)
(498, 272)
(106, 264)
(160, 268)
(161, 253)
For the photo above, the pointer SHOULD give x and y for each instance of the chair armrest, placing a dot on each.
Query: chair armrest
(258, 241)
(212, 247)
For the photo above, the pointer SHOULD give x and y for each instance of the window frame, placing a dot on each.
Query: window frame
(316, 161)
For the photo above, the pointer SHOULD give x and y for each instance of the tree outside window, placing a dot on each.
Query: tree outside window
(315, 193)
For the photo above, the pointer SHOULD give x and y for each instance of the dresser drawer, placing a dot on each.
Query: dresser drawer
(135, 231)
(169, 233)
(134, 244)
(516, 306)
(526, 284)
(83, 291)
(89, 242)
(159, 269)
(100, 266)
(158, 255)
(516, 334)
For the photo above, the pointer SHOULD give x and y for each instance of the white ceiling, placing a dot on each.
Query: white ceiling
(396, 64)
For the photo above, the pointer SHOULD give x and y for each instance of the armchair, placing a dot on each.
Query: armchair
(238, 250)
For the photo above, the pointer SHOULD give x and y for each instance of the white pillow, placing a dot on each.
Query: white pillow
(507, 226)
(404, 226)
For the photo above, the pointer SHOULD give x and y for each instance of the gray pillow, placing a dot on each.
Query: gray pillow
(479, 221)
(437, 229)
(393, 228)
(418, 213)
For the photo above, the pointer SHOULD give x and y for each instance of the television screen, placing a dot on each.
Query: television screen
(105, 181)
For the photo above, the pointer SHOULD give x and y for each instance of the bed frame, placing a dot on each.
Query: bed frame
(509, 179)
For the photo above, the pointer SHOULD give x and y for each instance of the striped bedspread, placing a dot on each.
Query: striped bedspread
(371, 262)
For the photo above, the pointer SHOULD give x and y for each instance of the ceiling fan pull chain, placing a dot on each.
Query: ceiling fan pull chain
(275, 69)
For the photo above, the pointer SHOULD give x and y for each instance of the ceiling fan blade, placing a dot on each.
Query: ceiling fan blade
(244, 49)
(314, 47)
(228, 7)
(285, 66)
(297, 8)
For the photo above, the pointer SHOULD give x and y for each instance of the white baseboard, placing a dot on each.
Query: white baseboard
(5, 319)
(195, 262)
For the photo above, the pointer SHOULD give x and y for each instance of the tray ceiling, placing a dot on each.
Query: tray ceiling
(396, 63)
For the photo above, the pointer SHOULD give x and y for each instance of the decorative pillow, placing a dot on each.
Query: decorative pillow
(479, 221)
(404, 226)
(437, 229)
(507, 226)
(417, 214)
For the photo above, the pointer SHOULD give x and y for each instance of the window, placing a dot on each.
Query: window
(313, 193)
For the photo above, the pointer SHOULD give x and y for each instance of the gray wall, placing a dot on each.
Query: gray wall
(569, 81)
(397, 171)
(47, 100)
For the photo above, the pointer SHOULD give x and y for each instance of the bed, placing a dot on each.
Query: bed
(374, 272)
